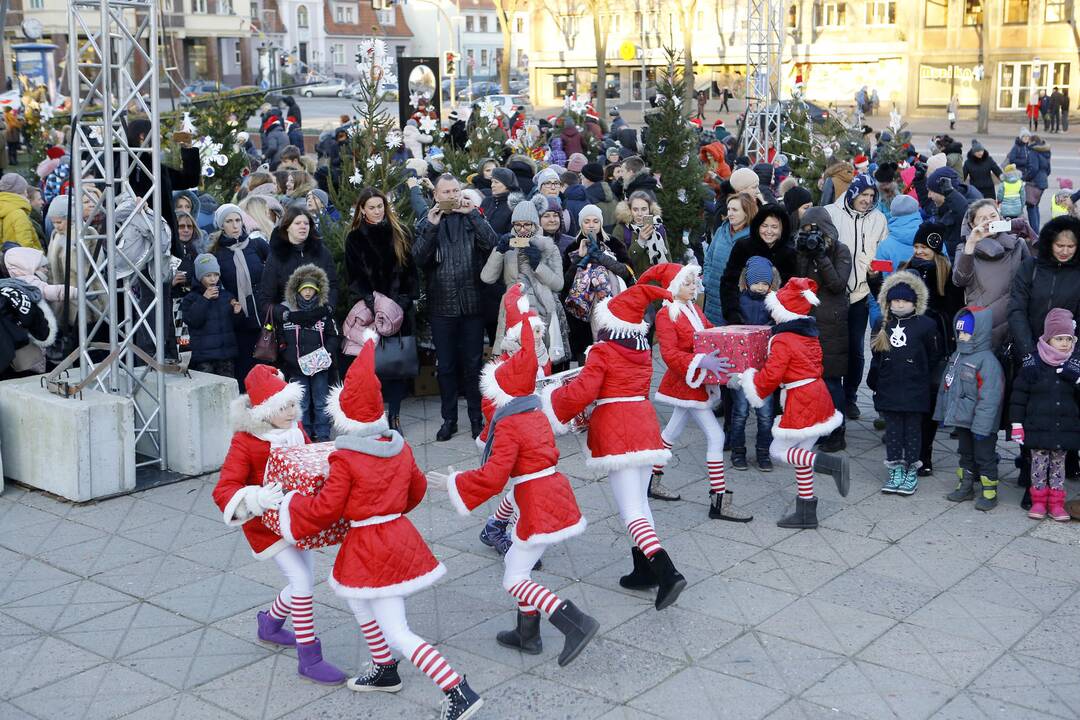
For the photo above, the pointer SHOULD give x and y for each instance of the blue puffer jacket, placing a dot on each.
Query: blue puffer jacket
(899, 245)
(716, 258)
(212, 324)
(573, 200)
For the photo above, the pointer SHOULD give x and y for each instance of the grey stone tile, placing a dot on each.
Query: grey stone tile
(995, 708)
(268, 688)
(974, 618)
(68, 605)
(835, 628)
(230, 551)
(831, 546)
(361, 706)
(127, 630)
(102, 556)
(15, 631)
(177, 530)
(697, 692)
(784, 572)
(875, 593)
(181, 707)
(918, 562)
(40, 662)
(1015, 589)
(948, 659)
(737, 601)
(479, 640)
(9, 711)
(106, 691)
(962, 707)
(1029, 683)
(553, 699)
(622, 712)
(153, 575)
(677, 633)
(214, 598)
(772, 661)
(871, 691)
(30, 577)
(195, 658)
(1042, 558)
(611, 670)
(707, 552)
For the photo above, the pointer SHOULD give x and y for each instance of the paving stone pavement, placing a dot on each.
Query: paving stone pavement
(143, 606)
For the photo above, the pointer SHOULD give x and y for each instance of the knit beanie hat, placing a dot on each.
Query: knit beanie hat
(1059, 321)
(903, 205)
(1010, 168)
(965, 323)
(901, 291)
(589, 211)
(931, 235)
(796, 197)
(758, 270)
(860, 184)
(525, 211)
(506, 177)
(546, 175)
(593, 172)
(976, 146)
(223, 212)
(554, 204)
(58, 208)
(936, 162)
(13, 183)
(933, 180)
(206, 264)
(744, 180)
(576, 162)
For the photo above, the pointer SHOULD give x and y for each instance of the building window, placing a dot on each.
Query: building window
(337, 53)
(937, 13)
(301, 17)
(520, 22)
(37, 4)
(1055, 11)
(236, 55)
(483, 58)
(881, 12)
(339, 14)
(1016, 12)
(254, 10)
(198, 6)
(483, 23)
(469, 23)
(973, 10)
(1019, 82)
(225, 7)
(830, 13)
(385, 16)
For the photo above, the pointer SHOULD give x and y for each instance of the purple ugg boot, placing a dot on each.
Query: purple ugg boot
(314, 668)
(271, 631)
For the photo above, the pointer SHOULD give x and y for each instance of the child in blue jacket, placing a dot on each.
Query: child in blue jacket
(212, 315)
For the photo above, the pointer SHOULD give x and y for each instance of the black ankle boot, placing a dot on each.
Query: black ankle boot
(804, 517)
(671, 581)
(641, 577)
(447, 431)
(578, 628)
(525, 637)
(837, 466)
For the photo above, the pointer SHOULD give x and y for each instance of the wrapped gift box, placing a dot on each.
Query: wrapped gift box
(744, 345)
(580, 423)
(303, 468)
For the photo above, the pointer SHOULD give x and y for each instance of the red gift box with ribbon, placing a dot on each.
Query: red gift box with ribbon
(303, 468)
(745, 346)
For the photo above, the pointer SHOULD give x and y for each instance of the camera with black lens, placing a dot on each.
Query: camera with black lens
(810, 240)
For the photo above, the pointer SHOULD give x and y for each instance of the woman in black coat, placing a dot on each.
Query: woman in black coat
(980, 170)
(496, 207)
(772, 243)
(378, 259)
(1051, 279)
(294, 242)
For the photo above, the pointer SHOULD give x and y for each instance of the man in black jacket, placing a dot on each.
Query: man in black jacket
(451, 245)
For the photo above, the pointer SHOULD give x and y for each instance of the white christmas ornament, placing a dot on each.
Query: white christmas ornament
(373, 162)
(187, 125)
(393, 139)
(357, 179)
(428, 124)
(895, 121)
(681, 194)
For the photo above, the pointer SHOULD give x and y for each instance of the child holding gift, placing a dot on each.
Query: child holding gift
(969, 400)
(906, 349)
(373, 483)
(794, 365)
(265, 418)
(1045, 415)
(520, 451)
(624, 435)
(682, 386)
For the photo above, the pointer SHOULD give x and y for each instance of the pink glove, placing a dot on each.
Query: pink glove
(1017, 433)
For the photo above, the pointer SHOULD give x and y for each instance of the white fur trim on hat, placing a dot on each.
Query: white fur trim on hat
(811, 297)
(489, 385)
(680, 277)
(455, 495)
(291, 393)
(559, 427)
(401, 589)
(779, 312)
(695, 375)
(605, 319)
(746, 383)
(514, 333)
(346, 424)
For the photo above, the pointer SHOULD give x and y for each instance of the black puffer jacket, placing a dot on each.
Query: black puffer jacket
(372, 266)
(1043, 283)
(980, 172)
(497, 210)
(285, 258)
(212, 324)
(451, 254)
(830, 271)
(1047, 407)
(781, 255)
(906, 350)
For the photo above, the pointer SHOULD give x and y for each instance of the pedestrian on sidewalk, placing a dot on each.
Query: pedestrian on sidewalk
(951, 110)
(1032, 112)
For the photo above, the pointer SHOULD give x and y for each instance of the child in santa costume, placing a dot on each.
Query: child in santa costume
(373, 482)
(682, 386)
(268, 417)
(624, 435)
(794, 365)
(520, 451)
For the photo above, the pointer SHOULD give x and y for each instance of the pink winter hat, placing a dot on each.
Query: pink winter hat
(1058, 322)
(576, 162)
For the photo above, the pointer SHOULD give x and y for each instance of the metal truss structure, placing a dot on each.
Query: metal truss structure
(113, 75)
(764, 49)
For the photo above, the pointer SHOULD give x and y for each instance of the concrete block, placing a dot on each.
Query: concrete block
(197, 412)
(80, 449)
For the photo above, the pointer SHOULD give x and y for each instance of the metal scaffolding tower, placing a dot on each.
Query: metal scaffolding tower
(113, 73)
(764, 48)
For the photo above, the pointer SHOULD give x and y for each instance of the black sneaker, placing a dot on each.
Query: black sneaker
(380, 678)
(447, 431)
(738, 458)
(461, 702)
(764, 461)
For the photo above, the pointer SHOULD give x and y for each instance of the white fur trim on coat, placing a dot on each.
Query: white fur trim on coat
(455, 495)
(694, 374)
(603, 318)
(637, 458)
(779, 312)
(346, 424)
(489, 385)
(811, 431)
(746, 383)
(291, 393)
(236, 511)
(271, 551)
(400, 589)
(51, 320)
(552, 537)
(680, 402)
(285, 520)
(559, 427)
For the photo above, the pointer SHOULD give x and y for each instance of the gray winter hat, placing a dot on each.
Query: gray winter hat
(590, 211)
(506, 177)
(58, 208)
(13, 183)
(525, 211)
(206, 264)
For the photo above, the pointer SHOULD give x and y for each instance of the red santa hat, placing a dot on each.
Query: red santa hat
(719, 123)
(696, 122)
(268, 393)
(625, 313)
(861, 163)
(357, 405)
(503, 380)
(793, 301)
(516, 310)
(670, 276)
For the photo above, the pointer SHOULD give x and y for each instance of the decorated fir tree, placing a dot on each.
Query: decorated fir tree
(486, 139)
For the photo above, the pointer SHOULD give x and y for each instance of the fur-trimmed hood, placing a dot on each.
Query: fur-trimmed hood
(1047, 235)
(624, 216)
(903, 277)
(304, 274)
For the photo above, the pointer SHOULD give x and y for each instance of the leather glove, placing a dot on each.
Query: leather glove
(1070, 371)
(533, 254)
(714, 363)
(504, 244)
(1028, 361)
(945, 186)
(1017, 433)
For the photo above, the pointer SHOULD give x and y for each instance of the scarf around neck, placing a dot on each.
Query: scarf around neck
(244, 289)
(283, 437)
(1051, 355)
(515, 407)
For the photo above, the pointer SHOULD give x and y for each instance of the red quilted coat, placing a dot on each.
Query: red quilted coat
(794, 364)
(375, 480)
(682, 384)
(621, 434)
(524, 445)
(244, 465)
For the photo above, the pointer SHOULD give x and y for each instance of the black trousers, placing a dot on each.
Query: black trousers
(977, 456)
(459, 345)
(929, 430)
(903, 436)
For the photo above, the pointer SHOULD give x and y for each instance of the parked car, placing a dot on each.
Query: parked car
(388, 90)
(202, 87)
(507, 103)
(330, 87)
(479, 89)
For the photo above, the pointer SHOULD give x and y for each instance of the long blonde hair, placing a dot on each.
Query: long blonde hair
(258, 208)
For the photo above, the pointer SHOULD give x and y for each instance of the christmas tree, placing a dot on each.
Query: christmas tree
(671, 149)
(811, 146)
(486, 139)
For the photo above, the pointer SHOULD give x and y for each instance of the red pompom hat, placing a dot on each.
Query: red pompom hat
(357, 406)
(516, 310)
(793, 301)
(625, 313)
(503, 380)
(268, 393)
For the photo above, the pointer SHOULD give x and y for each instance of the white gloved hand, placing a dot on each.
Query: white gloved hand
(261, 499)
(439, 481)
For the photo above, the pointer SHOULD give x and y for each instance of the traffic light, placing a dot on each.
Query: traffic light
(450, 58)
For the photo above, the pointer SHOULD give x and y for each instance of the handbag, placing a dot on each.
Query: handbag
(396, 358)
(315, 361)
(266, 347)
